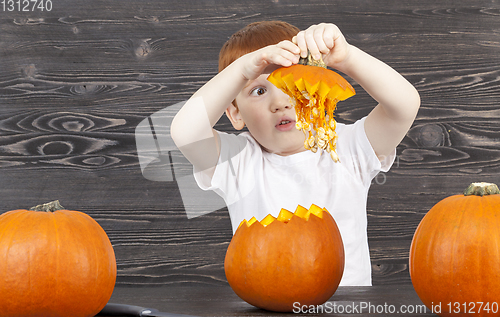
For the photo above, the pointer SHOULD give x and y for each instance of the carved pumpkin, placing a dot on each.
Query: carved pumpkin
(296, 257)
(314, 91)
(54, 262)
(455, 254)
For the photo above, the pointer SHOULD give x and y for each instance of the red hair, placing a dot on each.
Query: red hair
(253, 37)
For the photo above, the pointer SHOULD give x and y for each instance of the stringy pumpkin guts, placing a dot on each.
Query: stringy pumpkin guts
(314, 91)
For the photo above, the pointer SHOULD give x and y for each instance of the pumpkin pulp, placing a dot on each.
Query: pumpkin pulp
(314, 91)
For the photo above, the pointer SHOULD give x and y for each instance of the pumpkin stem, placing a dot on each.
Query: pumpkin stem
(48, 207)
(481, 189)
(310, 61)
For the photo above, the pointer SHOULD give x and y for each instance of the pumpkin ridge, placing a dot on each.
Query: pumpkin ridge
(22, 216)
(11, 214)
(58, 252)
(457, 255)
(4, 267)
(99, 241)
(84, 223)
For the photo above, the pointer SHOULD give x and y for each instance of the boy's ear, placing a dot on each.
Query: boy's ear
(234, 116)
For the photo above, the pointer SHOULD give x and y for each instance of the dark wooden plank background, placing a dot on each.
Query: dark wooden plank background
(76, 81)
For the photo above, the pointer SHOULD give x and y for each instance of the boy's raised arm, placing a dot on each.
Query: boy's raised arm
(192, 127)
(398, 101)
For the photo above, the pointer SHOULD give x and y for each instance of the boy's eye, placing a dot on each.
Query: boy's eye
(258, 91)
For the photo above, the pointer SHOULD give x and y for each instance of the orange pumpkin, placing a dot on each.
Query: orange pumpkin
(296, 257)
(455, 254)
(314, 91)
(54, 262)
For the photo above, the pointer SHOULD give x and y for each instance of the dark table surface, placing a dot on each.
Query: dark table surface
(208, 300)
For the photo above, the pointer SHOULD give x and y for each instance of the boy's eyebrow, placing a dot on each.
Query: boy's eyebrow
(249, 83)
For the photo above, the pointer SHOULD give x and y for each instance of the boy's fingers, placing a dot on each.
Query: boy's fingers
(314, 41)
(287, 58)
(301, 43)
(317, 39)
(330, 35)
(312, 46)
(279, 55)
(289, 46)
(320, 40)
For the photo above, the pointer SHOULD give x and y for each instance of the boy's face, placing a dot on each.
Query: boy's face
(269, 116)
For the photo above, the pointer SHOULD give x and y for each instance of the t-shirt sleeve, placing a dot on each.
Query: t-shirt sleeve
(233, 153)
(356, 153)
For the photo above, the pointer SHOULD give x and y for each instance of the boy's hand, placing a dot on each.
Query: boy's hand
(324, 39)
(285, 53)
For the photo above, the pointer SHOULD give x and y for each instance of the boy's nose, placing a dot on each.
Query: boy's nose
(281, 103)
(281, 106)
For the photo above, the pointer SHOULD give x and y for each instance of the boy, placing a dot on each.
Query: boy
(266, 169)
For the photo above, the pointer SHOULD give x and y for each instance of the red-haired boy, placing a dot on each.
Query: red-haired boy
(267, 168)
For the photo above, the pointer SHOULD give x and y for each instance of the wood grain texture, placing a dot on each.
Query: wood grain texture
(76, 81)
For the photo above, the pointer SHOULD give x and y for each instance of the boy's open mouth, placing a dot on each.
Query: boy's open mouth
(285, 124)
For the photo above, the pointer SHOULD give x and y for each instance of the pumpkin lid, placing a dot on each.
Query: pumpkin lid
(314, 92)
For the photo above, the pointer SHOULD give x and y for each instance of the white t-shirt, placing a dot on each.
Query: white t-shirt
(254, 182)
